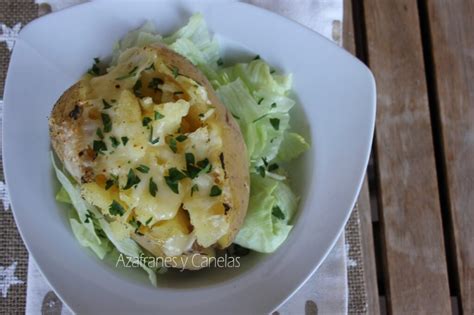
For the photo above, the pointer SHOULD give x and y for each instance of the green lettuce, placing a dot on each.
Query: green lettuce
(92, 230)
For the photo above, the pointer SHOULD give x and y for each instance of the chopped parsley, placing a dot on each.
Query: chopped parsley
(89, 215)
(124, 140)
(215, 191)
(189, 157)
(95, 70)
(261, 170)
(148, 221)
(158, 115)
(128, 75)
(276, 211)
(132, 180)
(99, 146)
(143, 169)
(272, 167)
(272, 71)
(175, 72)
(137, 88)
(235, 116)
(174, 176)
(109, 183)
(274, 105)
(275, 123)
(152, 187)
(181, 138)
(99, 133)
(115, 142)
(173, 145)
(194, 189)
(256, 57)
(106, 105)
(146, 121)
(178, 92)
(116, 209)
(154, 84)
(220, 62)
(260, 101)
(107, 122)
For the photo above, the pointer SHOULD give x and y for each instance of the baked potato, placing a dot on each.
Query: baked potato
(155, 150)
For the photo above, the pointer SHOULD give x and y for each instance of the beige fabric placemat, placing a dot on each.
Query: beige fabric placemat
(13, 255)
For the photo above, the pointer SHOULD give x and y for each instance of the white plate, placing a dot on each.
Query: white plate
(337, 97)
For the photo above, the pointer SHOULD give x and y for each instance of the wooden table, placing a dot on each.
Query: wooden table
(417, 206)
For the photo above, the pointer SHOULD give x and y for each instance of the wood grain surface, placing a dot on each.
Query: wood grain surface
(451, 25)
(414, 258)
(363, 202)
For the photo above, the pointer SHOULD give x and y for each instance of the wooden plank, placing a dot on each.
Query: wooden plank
(414, 260)
(451, 27)
(370, 273)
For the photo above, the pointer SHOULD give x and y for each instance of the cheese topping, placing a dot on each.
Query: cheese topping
(158, 154)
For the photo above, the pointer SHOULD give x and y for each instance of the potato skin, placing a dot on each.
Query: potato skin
(69, 143)
(67, 138)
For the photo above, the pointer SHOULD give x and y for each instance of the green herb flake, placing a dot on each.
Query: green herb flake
(99, 146)
(152, 188)
(116, 209)
(174, 176)
(235, 116)
(132, 180)
(146, 121)
(115, 142)
(109, 183)
(189, 157)
(148, 221)
(124, 140)
(175, 72)
(143, 169)
(107, 122)
(261, 170)
(273, 167)
(260, 101)
(276, 211)
(194, 188)
(272, 71)
(99, 133)
(95, 70)
(158, 115)
(274, 105)
(178, 93)
(106, 104)
(275, 123)
(173, 145)
(256, 57)
(215, 191)
(220, 62)
(128, 75)
(137, 88)
(181, 138)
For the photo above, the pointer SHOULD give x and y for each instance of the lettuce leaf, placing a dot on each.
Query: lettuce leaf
(271, 206)
(91, 224)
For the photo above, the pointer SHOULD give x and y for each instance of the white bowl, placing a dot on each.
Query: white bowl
(337, 112)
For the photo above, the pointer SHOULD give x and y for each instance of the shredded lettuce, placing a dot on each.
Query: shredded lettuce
(91, 224)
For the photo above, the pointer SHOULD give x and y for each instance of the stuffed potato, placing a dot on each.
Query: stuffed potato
(156, 151)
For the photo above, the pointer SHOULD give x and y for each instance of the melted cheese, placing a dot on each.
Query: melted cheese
(172, 220)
